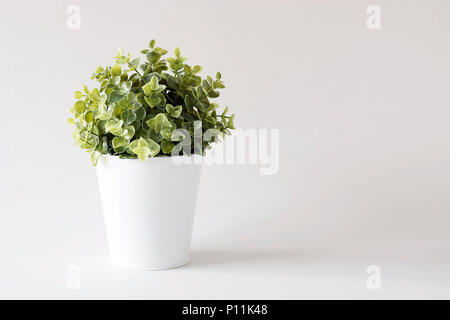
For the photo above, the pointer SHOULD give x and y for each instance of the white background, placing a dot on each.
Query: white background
(364, 149)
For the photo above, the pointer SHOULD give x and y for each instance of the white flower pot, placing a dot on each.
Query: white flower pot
(149, 210)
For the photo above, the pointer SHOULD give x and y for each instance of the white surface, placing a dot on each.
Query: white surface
(364, 149)
(258, 259)
(149, 210)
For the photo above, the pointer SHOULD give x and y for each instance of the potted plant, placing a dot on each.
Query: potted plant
(140, 119)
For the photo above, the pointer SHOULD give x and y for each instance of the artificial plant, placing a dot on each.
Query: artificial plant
(138, 107)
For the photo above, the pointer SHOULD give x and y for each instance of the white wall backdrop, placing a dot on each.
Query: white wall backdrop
(364, 173)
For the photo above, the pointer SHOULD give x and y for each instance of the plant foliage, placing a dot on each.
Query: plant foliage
(138, 107)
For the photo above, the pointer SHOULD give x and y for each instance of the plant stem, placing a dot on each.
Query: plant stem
(135, 70)
(167, 96)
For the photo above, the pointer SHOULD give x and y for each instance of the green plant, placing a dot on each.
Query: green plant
(148, 109)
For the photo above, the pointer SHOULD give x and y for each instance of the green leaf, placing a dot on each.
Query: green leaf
(102, 99)
(218, 76)
(95, 155)
(152, 134)
(219, 84)
(231, 122)
(192, 80)
(225, 111)
(213, 94)
(149, 76)
(142, 152)
(153, 56)
(154, 147)
(140, 113)
(125, 87)
(147, 88)
(173, 83)
(141, 133)
(167, 146)
(211, 120)
(114, 126)
(116, 80)
(134, 63)
(80, 106)
(166, 133)
(78, 95)
(119, 144)
(104, 145)
(161, 51)
(153, 101)
(144, 148)
(187, 69)
(135, 143)
(159, 122)
(128, 116)
(174, 111)
(94, 95)
(153, 83)
(152, 44)
(177, 52)
(89, 117)
(99, 69)
(197, 69)
(116, 70)
(128, 132)
(115, 96)
(103, 114)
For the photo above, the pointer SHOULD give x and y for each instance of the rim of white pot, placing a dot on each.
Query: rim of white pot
(110, 156)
